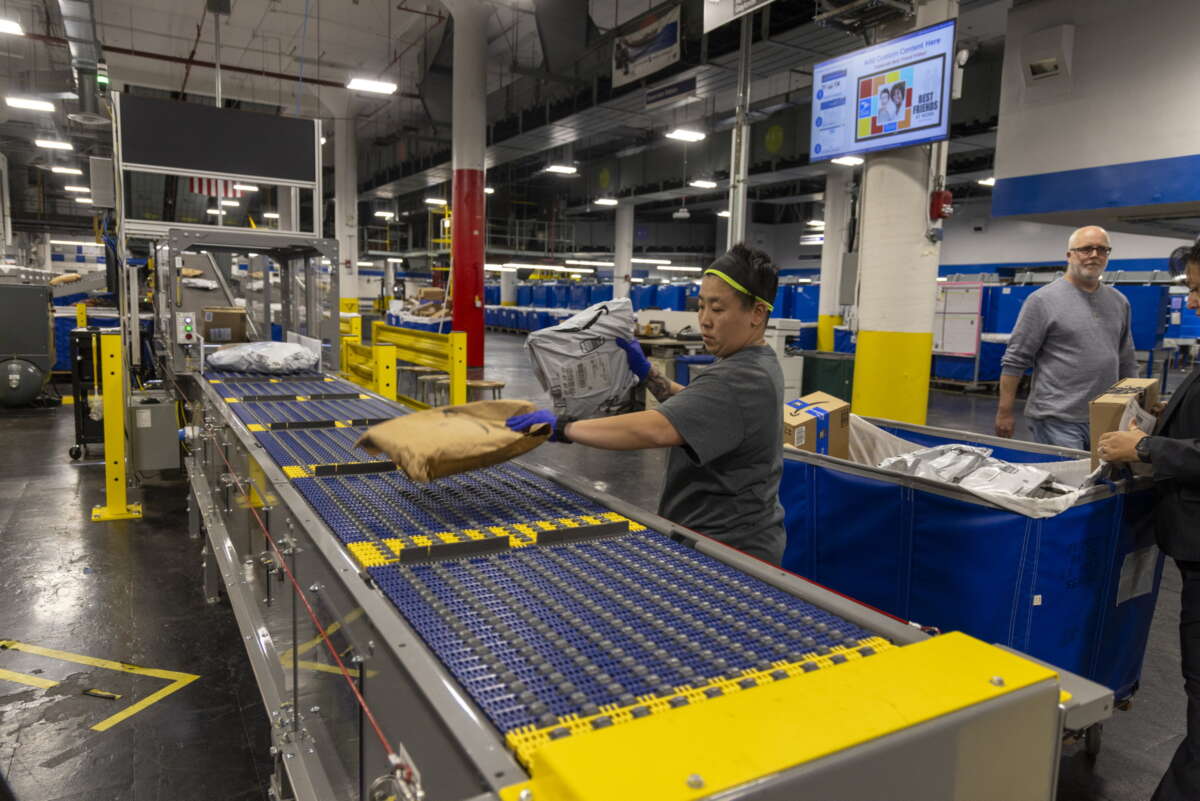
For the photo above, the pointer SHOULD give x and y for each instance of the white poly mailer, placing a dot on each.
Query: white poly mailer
(271, 358)
(580, 364)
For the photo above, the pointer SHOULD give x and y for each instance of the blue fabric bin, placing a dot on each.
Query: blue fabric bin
(599, 293)
(671, 297)
(491, 295)
(805, 300)
(580, 294)
(538, 295)
(642, 297)
(1149, 308)
(936, 555)
(783, 301)
(683, 366)
(844, 340)
(524, 295)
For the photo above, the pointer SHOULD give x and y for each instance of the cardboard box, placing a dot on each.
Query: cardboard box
(432, 293)
(818, 422)
(1104, 412)
(219, 324)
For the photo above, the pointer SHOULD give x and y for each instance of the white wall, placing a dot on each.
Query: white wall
(1128, 98)
(1004, 240)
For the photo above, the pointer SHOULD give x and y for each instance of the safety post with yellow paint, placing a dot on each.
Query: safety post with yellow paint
(81, 315)
(112, 385)
(370, 366)
(446, 352)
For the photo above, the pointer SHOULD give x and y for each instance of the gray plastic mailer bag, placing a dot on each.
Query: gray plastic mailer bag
(580, 364)
(453, 439)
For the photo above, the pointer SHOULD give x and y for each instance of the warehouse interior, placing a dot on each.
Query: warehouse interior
(269, 267)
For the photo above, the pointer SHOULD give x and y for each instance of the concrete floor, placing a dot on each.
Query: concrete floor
(130, 592)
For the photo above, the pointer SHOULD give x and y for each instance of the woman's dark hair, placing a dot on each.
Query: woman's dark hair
(1181, 257)
(753, 269)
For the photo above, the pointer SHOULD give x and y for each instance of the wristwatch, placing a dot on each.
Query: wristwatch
(1143, 449)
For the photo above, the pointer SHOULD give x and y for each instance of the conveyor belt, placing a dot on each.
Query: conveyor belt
(238, 375)
(286, 390)
(320, 413)
(316, 446)
(555, 641)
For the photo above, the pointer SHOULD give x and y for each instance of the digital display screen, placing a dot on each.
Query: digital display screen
(889, 95)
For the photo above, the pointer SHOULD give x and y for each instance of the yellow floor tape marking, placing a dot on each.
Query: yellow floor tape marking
(25, 678)
(285, 659)
(68, 400)
(177, 679)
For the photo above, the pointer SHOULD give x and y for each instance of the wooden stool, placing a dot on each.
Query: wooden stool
(427, 387)
(478, 389)
(441, 391)
(411, 385)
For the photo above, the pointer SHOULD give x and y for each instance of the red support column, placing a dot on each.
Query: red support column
(469, 128)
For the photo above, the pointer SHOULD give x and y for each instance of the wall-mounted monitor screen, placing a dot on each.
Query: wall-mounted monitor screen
(892, 94)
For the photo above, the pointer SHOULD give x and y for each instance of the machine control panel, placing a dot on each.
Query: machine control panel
(187, 331)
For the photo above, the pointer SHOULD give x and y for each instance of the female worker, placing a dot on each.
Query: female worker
(725, 429)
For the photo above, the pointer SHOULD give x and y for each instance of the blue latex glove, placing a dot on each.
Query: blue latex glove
(524, 422)
(639, 365)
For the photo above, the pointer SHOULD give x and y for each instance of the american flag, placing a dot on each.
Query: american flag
(213, 187)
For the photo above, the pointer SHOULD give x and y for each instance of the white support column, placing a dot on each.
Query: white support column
(739, 155)
(508, 289)
(623, 251)
(345, 202)
(897, 272)
(837, 221)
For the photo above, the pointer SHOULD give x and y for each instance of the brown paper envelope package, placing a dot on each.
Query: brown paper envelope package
(452, 439)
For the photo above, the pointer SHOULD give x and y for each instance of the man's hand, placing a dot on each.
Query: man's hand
(1159, 408)
(533, 422)
(1005, 423)
(1121, 446)
(639, 365)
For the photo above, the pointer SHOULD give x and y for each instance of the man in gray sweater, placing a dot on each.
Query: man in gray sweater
(1075, 334)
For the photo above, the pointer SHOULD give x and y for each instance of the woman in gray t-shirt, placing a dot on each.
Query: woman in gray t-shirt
(725, 429)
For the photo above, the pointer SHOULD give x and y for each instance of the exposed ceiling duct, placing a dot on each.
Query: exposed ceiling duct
(79, 20)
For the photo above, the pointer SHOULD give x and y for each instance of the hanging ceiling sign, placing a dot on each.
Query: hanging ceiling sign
(645, 51)
(718, 12)
(663, 95)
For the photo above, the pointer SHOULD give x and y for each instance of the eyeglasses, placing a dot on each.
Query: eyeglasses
(1087, 250)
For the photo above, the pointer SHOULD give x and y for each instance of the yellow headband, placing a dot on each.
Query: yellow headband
(738, 287)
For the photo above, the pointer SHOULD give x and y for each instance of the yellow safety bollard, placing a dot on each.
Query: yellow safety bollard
(81, 315)
(112, 382)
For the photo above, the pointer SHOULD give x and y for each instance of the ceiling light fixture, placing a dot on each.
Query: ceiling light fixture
(395, 261)
(650, 261)
(77, 189)
(230, 202)
(67, 171)
(270, 215)
(435, 201)
(86, 200)
(562, 169)
(723, 213)
(215, 212)
(578, 270)
(680, 269)
(703, 183)
(638, 280)
(815, 223)
(812, 239)
(365, 263)
(487, 190)
(686, 135)
(499, 268)
(606, 201)
(387, 215)
(323, 140)
(73, 242)
(989, 181)
(245, 187)
(11, 27)
(847, 161)
(28, 103)
(374, 87)
(585, 263)
(53, 144)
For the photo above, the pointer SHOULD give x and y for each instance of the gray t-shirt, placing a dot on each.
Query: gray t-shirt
(1078, 344)
(724, 481)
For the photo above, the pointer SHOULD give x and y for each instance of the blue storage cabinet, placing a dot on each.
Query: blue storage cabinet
(491, 294)
(807, 338)
(783, 302)
(938, 556)
(962, 368)
(579, 295)
(805, 301)
(1149, 308)
(1188, 326)
(524, 295)
(1001, 305)
(642, 296)
(599, 293)
(844, 340)
(537, 296)
(671, 297)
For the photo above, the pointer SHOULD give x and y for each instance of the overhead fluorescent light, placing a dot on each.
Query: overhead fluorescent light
(815, 223)
(72, 242)
(54, 144)
(562, 169)
(214, 212)
(847, 161)
(245, 187)
(651, 261)
(686, 135)
(498, 268)
(812, 239)
(395, 261)
(66, 170)
(387, 215)
(942, 278)
(28, 103)
(578, 270)
(679, 269)
(77, 189)
(230, 202)
(803, 280)
(586, 263)
(723, 213)
(606, 201)
(989, 181)
(365, 263)
(516, 265)
(323, 140)
(368, 85)
(11, 27)
(270, 215)
(638, 280)
(435, 201)
(86, 200)
(487, 190)
(703, 183)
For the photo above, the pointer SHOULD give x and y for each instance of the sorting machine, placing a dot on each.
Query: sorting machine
(513, 633)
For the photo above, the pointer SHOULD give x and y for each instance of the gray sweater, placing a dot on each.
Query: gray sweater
(1078, 344)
